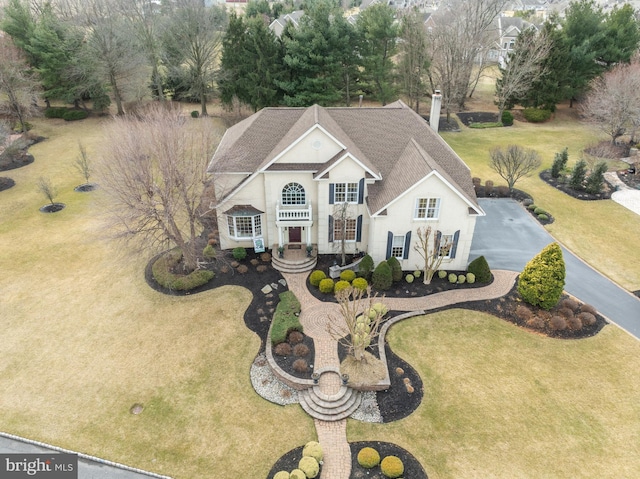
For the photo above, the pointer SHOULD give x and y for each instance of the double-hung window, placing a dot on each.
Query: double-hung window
(397, 247)
(427, 209)
(446, 245)
(349, 226)
(346, 193)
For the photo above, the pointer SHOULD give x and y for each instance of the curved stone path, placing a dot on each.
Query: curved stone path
(315, 318)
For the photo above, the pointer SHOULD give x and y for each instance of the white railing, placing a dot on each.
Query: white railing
(294, 213)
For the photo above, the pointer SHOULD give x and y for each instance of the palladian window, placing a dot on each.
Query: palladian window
(293, 194)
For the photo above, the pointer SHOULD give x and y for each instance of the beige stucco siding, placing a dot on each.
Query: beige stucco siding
(315, 147)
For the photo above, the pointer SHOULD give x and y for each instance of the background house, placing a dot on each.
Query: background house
(308, 176)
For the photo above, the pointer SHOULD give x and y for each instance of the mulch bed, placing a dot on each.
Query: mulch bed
(52, 208)
(445, 126)
(85, 187)
(11, 162)
(286, 362)
(6, 183)
(580, 195)
(477, 117)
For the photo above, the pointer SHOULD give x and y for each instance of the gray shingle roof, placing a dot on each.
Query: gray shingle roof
(393, 142)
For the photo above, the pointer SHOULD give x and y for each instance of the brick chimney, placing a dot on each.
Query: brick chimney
(434, 116)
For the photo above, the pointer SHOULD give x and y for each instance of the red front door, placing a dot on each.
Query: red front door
(295, 234)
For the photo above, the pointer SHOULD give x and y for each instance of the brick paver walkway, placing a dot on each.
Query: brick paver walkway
(315, 318)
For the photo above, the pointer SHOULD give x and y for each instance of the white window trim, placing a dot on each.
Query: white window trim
(346, 192)
(426, 210)
(289, 189)
(401, 256)
(443, 242)
(231, 221)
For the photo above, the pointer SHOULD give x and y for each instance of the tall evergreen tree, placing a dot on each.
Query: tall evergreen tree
(379, 35)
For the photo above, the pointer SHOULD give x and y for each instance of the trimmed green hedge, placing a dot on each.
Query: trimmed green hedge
(73, 115)
(488, 124)
(284, 318)
(55, 112)
(536, 115)
(161, 271)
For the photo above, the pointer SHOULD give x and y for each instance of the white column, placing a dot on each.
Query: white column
(280, 237)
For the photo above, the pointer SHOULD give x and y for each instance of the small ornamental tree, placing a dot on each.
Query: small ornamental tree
(542, 280)
(596, 178)
(432, 250)
(559, 163)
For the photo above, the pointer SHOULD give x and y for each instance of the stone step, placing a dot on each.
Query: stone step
(332, 412)
(328, 401)
(287, 266)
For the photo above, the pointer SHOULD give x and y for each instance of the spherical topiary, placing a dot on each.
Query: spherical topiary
(587, 308)
(471, 278)
(382, 276)
(574, 323)
(558, 323)
(347, 275)
(587, 319)
(309, 466)
(326, 286)
(570, 303)
(281, 475)
(313, 449)
(542, 280)
(316, 276)
(396, 269)
(453, 278)
(239, 253)
(360, 283)
(543, 217)
(462, 278)
(480, 268)
(417, 273)
(340, 285)
(392, 466)
(539, 211)
(368, 457)
(442, 274)
(297, 474)
(409, 278)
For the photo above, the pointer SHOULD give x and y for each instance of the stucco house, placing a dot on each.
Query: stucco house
(297, 177)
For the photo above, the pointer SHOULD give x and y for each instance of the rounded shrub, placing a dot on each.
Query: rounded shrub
(316, 276)
(587, 308)
(523, 312)
(368, 457)
(543, 217)
(574, 323)
(417, 273)
(313, 449)
(300, 350)
(409, 278)
(73, 115)
(309, 466)
(195, 114)
(283, 349)
(536, 115)
(348, 275)
(392, 466)
(242, 269)
(507, 118)
(570, 303)
(542, 280)
(453, 278)
(558, 323)
(587, 319)
(239, 253)
(55, 112)
(442, 274)
(295, 337)
(365, 267)
(527, 202)
(535, 323)
(396, 269)
(281, 475)
(326, 286)
(480, 268)
(300, 365)
(209, 252)
(340, 285)
(382, 276)
(360, 283)
(462, 278)
(471, 278)
(539, 211)
(297, 474)
(532, 207)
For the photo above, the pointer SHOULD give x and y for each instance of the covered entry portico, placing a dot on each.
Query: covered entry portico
(294, 224)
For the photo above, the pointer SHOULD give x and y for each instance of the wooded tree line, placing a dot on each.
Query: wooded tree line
(118, 51)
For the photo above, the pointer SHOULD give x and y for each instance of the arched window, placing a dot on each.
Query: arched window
(293, 194)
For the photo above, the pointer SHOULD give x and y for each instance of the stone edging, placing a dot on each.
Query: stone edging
(83, 456)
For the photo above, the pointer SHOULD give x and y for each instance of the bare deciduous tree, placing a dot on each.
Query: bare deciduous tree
(359, 324)
(514, 162)
(414, 59)
(154, 170)
(47, 189)
(432, 250)
(82, 163)
(613, 102)
(524, 67)
(17, 85)
(343, 219)
(462, 34)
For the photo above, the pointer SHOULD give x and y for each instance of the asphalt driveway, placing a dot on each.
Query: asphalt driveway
(509, 237)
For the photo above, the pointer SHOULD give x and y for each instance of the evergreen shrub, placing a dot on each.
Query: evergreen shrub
(239, 253)
(392, 466)
(309, 466)
(480, 269)
(542, 280)
(507, 118)
(340, 285)
(396, 269)
(382, 276)
(536, 115)
(347, 275)
(409, 278)
(326, 286)
(365, 267)
(316, 276)
(368, 457)
(360, 283)
(313, 449)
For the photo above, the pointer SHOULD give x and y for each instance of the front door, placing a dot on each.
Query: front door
(295, 234)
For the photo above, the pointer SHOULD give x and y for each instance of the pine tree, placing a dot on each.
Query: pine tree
(596, 178)
(578, 175)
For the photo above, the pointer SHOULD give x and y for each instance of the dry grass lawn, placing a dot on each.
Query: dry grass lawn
(505, 403)
(84, 338)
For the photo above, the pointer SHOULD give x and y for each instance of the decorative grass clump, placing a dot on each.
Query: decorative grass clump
(300, 350)
(285, 318)
(480, 268)
(360, 283)
(368, 457)
(161, 271)
(316, 276)
(326, 286)
(392, 466)
(347, 275)
(542, 281)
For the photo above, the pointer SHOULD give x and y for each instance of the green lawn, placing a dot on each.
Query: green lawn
(505, 403)
(602, 233)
